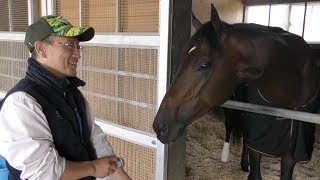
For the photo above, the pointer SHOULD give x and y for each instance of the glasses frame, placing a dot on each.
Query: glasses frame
(70, 46)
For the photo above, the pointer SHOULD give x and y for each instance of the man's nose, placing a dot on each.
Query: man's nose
(76, 53)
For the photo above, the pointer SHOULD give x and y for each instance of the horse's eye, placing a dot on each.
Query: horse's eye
(204, 66)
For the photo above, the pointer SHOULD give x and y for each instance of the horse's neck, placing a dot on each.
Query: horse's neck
(287, 91)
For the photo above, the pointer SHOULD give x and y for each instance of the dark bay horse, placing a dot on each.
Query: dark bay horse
(279, 70)
(234, 120)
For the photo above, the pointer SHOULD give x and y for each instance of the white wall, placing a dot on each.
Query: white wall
(230, 11)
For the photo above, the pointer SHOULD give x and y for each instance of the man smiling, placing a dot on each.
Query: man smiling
(47, 128)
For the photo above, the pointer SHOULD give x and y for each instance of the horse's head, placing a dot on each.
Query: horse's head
(208, 73)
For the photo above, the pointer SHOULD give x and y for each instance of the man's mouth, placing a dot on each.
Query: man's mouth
(73, 63)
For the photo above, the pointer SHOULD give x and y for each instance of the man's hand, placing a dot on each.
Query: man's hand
(105, 166)
(101, 167)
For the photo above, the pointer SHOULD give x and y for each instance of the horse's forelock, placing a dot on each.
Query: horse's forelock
(206, 34)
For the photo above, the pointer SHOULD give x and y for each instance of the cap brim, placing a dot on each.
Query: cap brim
(83, 33)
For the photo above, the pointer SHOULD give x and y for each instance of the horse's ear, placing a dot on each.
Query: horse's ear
(214, 18)
(195, 22)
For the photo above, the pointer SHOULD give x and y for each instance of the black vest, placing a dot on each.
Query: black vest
(64, 108)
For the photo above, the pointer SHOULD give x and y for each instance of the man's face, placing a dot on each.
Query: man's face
(62, 56)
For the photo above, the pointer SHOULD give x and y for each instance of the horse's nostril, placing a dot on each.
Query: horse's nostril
(160, 128)
(163, 130)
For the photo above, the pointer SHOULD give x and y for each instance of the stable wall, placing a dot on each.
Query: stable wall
(230, 11)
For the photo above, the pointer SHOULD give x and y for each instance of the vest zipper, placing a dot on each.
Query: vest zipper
(80, 124)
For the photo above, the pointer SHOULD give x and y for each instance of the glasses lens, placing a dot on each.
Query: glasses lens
(78, 47)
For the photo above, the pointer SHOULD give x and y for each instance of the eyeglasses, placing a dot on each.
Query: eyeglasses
(69, 45)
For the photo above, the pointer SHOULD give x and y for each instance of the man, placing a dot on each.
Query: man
(47, 129)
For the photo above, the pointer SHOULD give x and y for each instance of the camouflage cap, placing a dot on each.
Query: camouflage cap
(55, 25)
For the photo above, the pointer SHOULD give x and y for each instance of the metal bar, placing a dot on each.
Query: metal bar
(30, 12)
(12, 59)
(51, 7)
(289, 17)
(272, 111)
(115, 72)
(12, 36)
(43, 7)
(127, 134)
(10, 15)
(162, 150)
(269, 16)
(10, 77)
(127, 39)
(118, 14)
(132, 102)
(81, 10)
(304, 18)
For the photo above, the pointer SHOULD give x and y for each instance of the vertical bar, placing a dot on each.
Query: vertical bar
(304, 17)
(80, 13)
(244, 11)
(30, 12)
(10, 15)
(289, 16)
(43, 7)
(50, 7)
(161, 154)
(269, 14)
(117, 54)
(118, 14)
(179, 34)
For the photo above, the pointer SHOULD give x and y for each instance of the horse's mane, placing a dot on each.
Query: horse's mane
(208, 33)
(257, 28)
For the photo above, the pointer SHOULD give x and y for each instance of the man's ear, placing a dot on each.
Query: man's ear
(40, 49)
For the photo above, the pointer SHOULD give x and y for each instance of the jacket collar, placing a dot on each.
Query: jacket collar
(40, 75)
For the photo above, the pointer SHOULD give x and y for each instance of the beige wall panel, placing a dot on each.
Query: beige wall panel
(122, 113)
(230, 11)
(9, 51)
(140, 24)
(139, 160)
(138, 60)
(136, 117)
(4, 18)
(69, 9)
(103, 108)
(141, 8)
(140, 16)
(101, 15)
(137, 89)
(19, 69)
(13, 49)
(101, 83)
(13, 62)
(18, 50)
(7, 83)
(99, 57)
(101, 8)
(19, 15)
(5, 66)
(106, 24)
